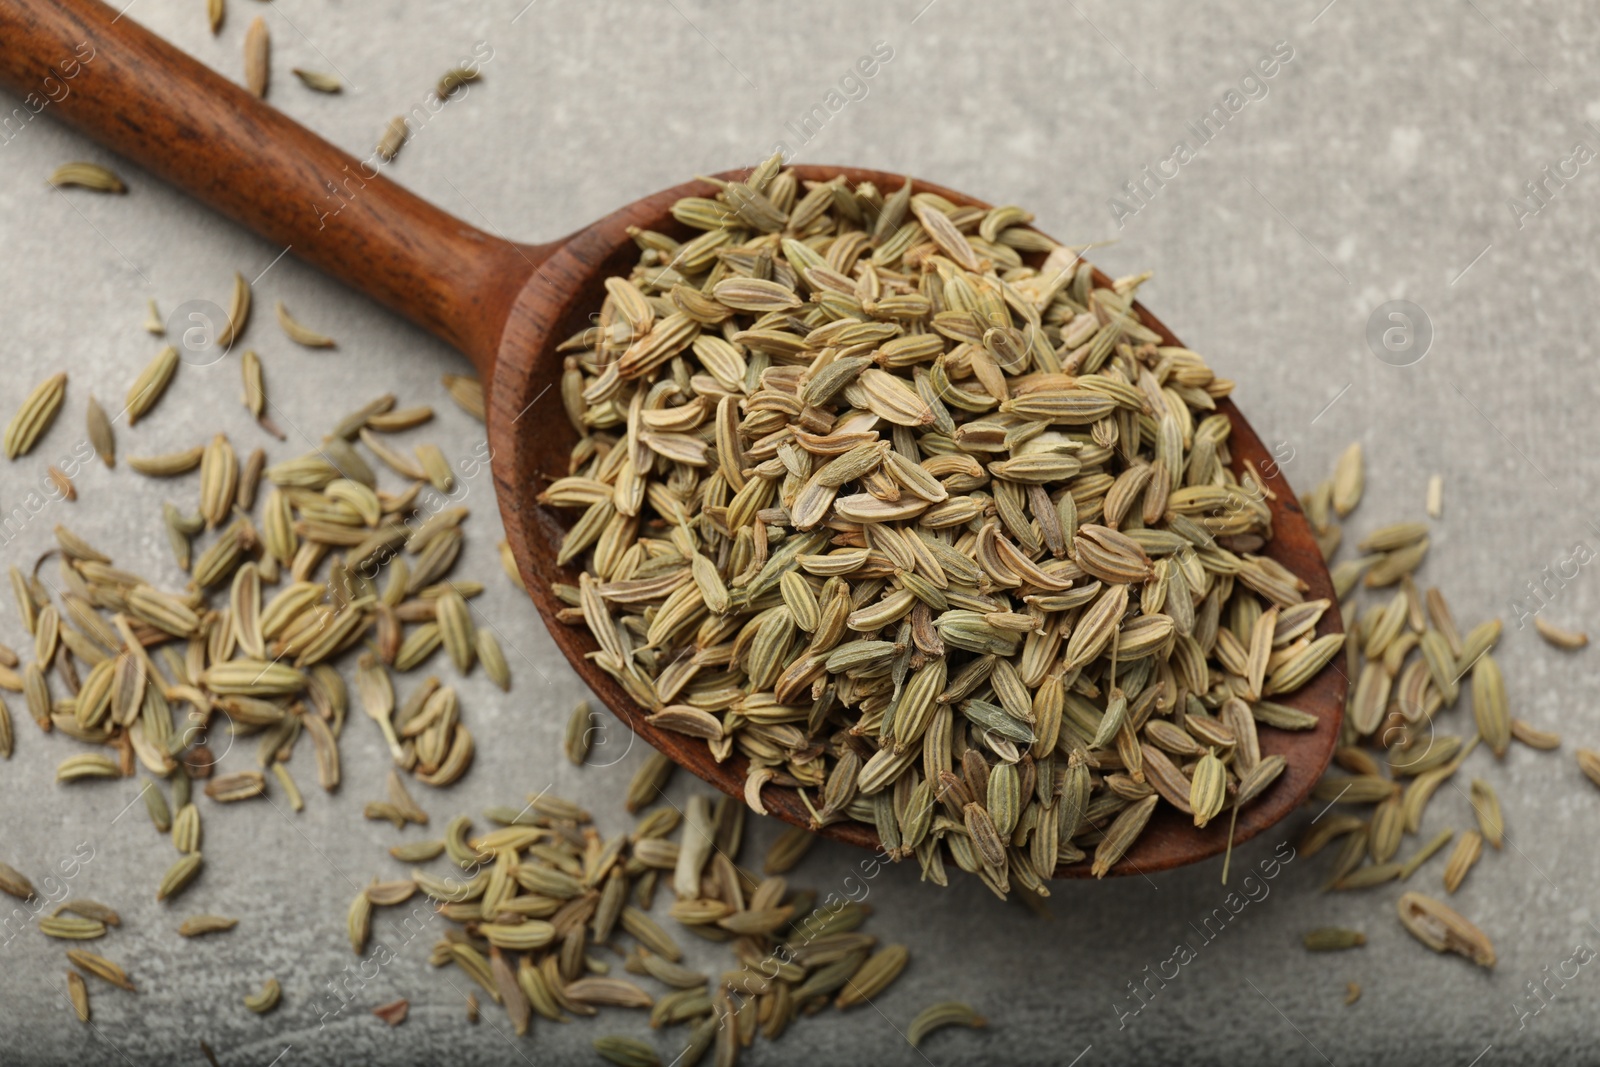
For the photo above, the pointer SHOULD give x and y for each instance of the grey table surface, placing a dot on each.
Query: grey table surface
(1383, 160)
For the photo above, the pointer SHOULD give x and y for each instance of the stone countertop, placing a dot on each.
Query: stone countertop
(1386, 158)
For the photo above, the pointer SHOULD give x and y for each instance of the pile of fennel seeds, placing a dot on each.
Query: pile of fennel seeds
(295, 569)
(552, 920)
(950, 544)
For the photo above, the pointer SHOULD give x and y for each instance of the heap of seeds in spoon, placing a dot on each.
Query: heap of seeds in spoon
(951, 544)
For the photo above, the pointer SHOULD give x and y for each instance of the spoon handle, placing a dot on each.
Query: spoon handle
(84, 63)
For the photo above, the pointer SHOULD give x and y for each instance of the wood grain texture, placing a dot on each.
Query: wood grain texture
(505, 306)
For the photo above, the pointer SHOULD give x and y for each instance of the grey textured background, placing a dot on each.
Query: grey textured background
(1377, 166)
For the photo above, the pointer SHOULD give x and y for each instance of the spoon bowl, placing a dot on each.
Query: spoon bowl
(531, 439)
(506, 306)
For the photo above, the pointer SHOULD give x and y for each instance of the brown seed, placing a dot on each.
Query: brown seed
(257, 57)
(1367, 877)
(101, 968)
(1392, 567)
(1349, 477)
(1489, 705)
(266, 998)
(1588, 763)
(1388, 825)
(198, 925)
(1465, 854)
(87, 176)
(14, 882)
(1393, 537)
(1354, 789)
(168, 464)
(1121, 834)
(317, 80)
(237, 785)
(152, 382)
(649, 780)
(100, 433)
(1486, 806)
(295, 330)
(255, 392)
(359, 922)
(580, 730)
(455, 78)
(788, 849)
(873, 977)
(1425, 853)
(178, 876)
(238, 302)
(38, 411)
(1534, 737)
(63, 485)
(1208, 790)
(1555, 635)
(1333, 938)
(1444, 929)
(937, 1016)
(393, 138)
(78, 993)
(467, 392)
(219, 481)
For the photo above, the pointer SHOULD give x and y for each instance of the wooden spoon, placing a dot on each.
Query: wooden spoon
(505, 305)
